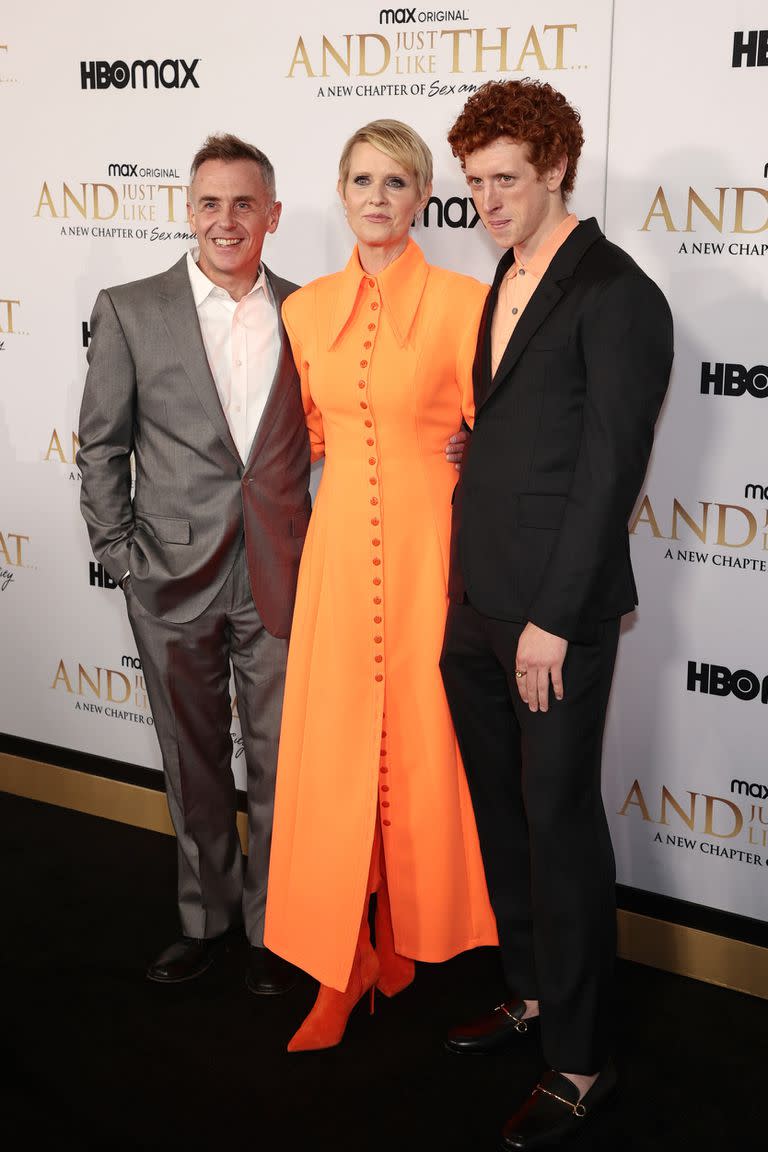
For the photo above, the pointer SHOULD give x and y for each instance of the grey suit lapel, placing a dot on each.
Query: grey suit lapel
(278, 394)
(177, 306)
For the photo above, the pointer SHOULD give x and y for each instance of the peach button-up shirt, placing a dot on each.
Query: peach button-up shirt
(519, 285)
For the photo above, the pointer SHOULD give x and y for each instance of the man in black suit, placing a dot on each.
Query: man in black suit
(573, 361)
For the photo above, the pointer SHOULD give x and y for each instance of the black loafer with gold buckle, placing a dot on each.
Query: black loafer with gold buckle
(489, 1033)
(553, 1111)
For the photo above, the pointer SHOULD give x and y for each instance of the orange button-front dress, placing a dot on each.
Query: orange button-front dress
(385, 364)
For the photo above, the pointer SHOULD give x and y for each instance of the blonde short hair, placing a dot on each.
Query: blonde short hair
(397, 141)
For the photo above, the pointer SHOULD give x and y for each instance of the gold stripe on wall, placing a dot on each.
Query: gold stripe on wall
(95, 795)
(690, 952)
(658, 943)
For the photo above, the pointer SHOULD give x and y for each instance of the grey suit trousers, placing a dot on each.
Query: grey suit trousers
(187, 673)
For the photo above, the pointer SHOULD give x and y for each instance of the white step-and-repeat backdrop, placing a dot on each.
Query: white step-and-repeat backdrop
(102, 111)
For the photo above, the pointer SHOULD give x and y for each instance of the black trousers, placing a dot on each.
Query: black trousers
(534, 778)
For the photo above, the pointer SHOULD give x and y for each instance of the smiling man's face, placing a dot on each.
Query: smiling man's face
(231, 210)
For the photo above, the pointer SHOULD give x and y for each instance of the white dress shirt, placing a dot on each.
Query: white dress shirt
(242, 342)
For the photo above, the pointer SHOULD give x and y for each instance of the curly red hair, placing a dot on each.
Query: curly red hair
(528, 112)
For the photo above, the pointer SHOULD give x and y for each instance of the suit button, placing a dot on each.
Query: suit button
(377, 599)
(375, 541)
(369, 442)
(361, 383)
(377, 639)
(372, 480)
(363, 404)
(386, 823)
(369, 423)
(371, 283)
(376, 561)
(374, 521)
(378, 659)
(386, 804)
(377, 619)
(374, 499)
(385, 787)
(378, 677)
(363, 363)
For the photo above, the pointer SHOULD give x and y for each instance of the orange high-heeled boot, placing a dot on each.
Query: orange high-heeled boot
(396, 971)
(327, 1020)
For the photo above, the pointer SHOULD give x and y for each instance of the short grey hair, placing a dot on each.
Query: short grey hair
(224, 146)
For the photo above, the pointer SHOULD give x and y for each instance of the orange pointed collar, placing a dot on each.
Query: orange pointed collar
(401, 286)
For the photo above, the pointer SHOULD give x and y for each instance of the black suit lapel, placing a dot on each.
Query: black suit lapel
(481, 367)
(548, 294)
(544, 299)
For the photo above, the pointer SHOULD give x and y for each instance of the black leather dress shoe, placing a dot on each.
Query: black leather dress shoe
(187, 959)
(553, 1111)
(268, 975)
(495, 1030)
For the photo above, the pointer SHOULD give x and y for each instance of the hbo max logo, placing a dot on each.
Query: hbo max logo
(734, 380)
(716, 680)
(138, 74)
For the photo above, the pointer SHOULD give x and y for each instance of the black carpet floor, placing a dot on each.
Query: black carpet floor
(95, 1057)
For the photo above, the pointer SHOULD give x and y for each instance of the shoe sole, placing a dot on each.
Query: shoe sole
(500, 1046)
(178, 979)
(270, 991)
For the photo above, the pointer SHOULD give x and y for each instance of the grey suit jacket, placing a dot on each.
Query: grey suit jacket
(150, 393)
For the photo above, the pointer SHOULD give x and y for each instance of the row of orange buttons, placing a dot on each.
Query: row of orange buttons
(373, 481)
(384, 769)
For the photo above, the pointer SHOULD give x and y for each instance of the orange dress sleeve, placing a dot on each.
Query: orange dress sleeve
(465, 350)
(312, 414)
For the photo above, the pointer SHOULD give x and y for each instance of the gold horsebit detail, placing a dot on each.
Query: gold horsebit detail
(520, 1025)
(577, 1109)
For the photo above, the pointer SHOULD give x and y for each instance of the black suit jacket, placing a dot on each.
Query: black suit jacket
(561, 441)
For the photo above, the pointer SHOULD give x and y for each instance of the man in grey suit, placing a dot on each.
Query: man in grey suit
(190, 372)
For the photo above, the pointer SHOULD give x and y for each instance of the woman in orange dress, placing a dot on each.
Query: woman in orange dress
(371, 794)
